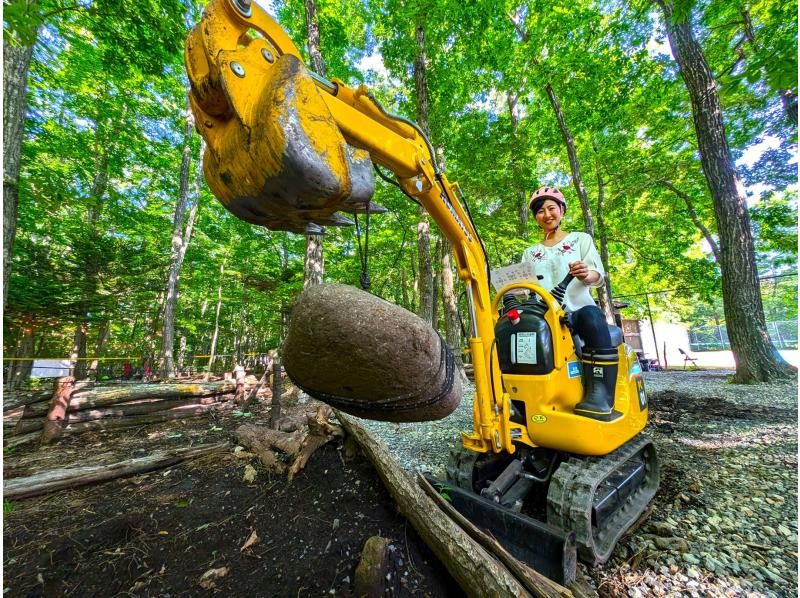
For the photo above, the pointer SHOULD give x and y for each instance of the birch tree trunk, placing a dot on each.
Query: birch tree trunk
(215, 335)
(16, 63)
(425, 274)
(314, 266)
(756, 358)
(180, 241)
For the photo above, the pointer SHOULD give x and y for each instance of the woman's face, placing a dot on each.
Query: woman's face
(549, 215)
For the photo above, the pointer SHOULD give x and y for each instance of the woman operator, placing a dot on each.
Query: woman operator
(557, 254)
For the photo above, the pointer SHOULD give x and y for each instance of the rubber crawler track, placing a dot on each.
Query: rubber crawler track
(573, 486)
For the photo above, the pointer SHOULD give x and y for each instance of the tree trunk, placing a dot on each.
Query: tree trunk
(452, 325)
(314, 266)
(21, 369)
(16, 63)
(180, 242)
(100, 341)
(215, 335)
(105, 396)
(522, 201)
(425, 277)
(78, 353)
(606, 299)
(58, 409)
(756, 357)
(580, 188)
(58, 479)
(277, 389)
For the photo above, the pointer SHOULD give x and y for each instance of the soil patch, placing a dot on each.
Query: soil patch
(670, 406)
(182, 531)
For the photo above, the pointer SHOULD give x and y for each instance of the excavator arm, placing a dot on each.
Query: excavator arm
(290, 150)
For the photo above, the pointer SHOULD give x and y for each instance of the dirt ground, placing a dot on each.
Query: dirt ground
(160, 533)
(157, 534)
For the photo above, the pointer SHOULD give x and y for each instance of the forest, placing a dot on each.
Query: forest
(116, 251)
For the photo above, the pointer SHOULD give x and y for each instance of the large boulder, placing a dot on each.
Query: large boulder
(369, 357)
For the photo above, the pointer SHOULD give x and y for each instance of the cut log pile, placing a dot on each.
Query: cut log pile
(70, 408)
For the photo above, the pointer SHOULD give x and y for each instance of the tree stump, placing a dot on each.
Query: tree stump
(54, 422)
(370, 576)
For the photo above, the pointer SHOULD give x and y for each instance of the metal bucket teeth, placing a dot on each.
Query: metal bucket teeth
(336, 220)
(283, 163)
(364, 207)
(313, 229)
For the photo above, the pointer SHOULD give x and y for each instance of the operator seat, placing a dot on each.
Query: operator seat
(617, 338)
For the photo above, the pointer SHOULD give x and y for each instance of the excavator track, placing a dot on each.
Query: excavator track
(599, 498)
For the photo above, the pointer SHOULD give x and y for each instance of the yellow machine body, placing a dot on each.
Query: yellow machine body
(550, 399)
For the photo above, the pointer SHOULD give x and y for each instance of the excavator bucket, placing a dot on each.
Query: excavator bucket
(277, 158)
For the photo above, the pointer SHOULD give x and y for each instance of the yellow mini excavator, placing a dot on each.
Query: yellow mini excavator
(290, 150)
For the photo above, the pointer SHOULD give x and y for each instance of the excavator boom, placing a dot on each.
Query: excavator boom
(290, 150)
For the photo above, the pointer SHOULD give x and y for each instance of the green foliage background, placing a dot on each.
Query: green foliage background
(107, 93)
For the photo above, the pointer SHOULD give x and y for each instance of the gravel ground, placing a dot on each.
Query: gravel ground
(725, 517)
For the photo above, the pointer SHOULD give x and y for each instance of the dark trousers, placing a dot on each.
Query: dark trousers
(590, 324)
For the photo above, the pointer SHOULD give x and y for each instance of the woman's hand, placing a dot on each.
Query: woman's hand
(581, 271)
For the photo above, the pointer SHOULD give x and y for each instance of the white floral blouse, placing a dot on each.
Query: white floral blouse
(552, 264)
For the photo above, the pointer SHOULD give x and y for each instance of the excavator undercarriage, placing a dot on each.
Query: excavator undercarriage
(585, 503)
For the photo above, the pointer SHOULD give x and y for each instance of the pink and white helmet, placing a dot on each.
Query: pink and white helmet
(543, 193)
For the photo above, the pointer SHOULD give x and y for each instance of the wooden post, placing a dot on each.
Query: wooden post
(239, 374)
(58, 409)
(277, 388)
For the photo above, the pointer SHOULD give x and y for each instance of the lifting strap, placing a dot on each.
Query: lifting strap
(363, 253)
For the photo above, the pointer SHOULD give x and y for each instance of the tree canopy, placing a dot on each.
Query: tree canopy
(103, 142)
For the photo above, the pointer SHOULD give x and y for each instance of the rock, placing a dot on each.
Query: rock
(710, 564)
(691, 559)
(692, 572)
(672, 544)
(369, 357)
(663, 529)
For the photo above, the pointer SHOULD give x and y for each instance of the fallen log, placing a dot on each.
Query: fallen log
(275, 448)
(28, 425)
(137, 408)
(476, 570)
(137, 420)
(15, 441)
(45, 395)
(103, 397)
(60, 479)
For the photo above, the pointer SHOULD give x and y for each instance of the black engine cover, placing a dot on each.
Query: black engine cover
(525, 347)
